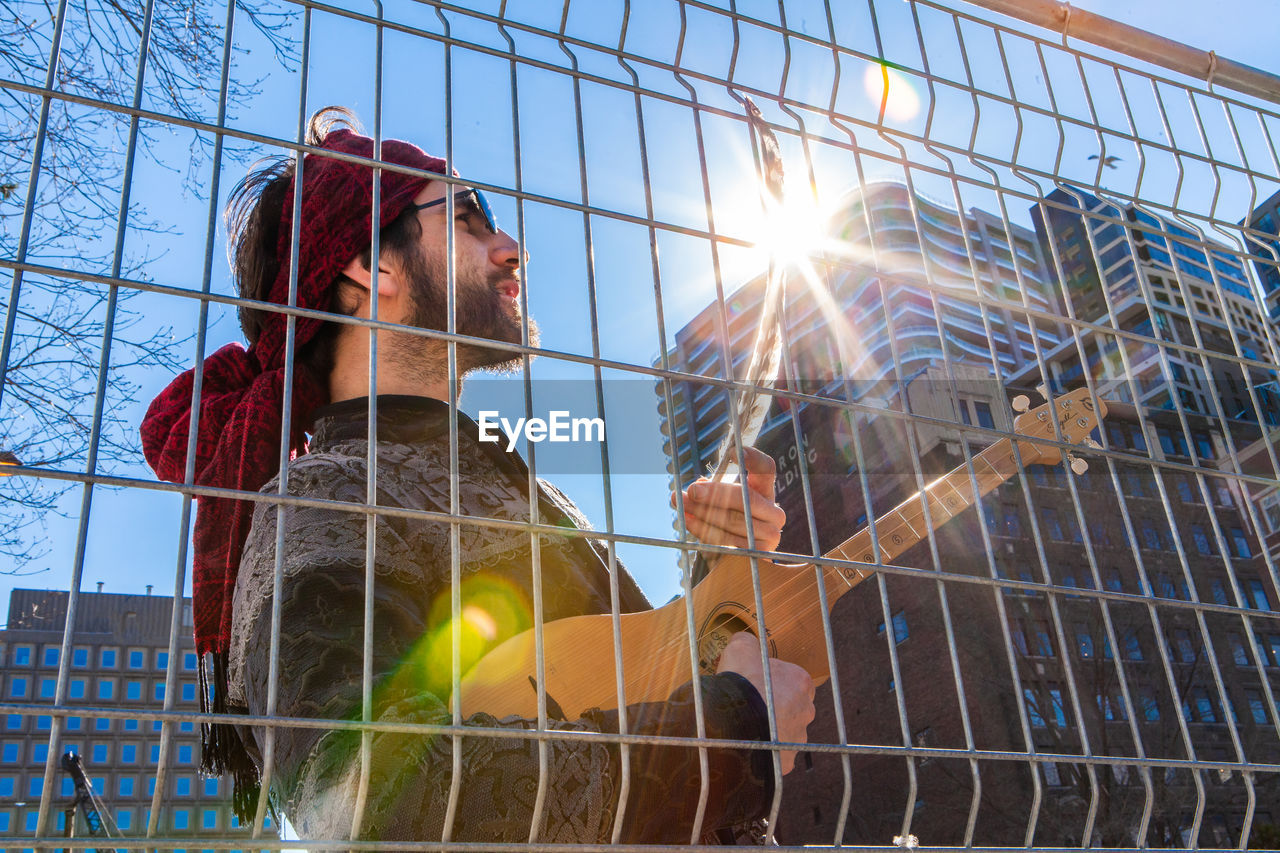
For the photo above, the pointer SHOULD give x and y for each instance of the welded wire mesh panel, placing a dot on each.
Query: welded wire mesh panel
(449, 557)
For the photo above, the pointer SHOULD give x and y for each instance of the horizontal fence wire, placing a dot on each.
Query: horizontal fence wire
(1025, 271)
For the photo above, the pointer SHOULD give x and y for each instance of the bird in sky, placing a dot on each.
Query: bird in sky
(1109, 161)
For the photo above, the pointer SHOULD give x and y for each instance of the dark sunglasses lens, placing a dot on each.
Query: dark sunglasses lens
(486, 210)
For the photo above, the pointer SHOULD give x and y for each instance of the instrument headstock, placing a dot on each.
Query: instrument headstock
(1076, 416)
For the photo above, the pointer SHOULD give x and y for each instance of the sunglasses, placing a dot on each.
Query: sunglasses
(471, 200)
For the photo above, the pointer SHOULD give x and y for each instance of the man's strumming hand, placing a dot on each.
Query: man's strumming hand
(792, 690)
(713, 511)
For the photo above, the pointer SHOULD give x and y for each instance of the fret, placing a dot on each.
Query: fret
(901, 513)
(957, 501)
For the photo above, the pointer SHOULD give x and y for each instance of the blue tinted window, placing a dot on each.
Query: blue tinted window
(182, 786)
(18, 687)
(162, 660)
(98, 752)
(6, 786)
(133, 690)
(76, 688)
(43, 723)
(39, 752)
(136, 658)
(80, 658)
(129, 753)
(106, 689)
(13, 721)
(188, 692)
(22, 656)
(155, 753)
(102, 724)
(34, 786)
(48, 688)
(124, 817)
(108, 659)
(184, 755)
(211, 787)
(159, 691)
(51, 656)
(181, 819)
(125, 786)
(189, 662)
(130, 725)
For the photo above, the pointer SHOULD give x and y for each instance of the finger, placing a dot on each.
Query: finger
(727, 497)
(724, 529)
(712, 535)
(762, 471)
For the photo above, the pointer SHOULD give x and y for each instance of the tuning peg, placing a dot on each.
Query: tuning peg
(1021, 403)
(1092, 444)
(1043, 390)
(1078, 465)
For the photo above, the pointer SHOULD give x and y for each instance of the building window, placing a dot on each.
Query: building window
(158, 692)
(1240, 543)
(182, 786)
(48, 688)
(181, 819)
(900, 632)
(1203, 545)
(1132, 648)
(51, 655)
(102, 724)
(1238, 652)
(209, 819)
(186, 727)
(211, 787)
(106, 688)
(129, 753)
(98, 753)
(18, 687)
(1053, 527)
(185, 754)
(39, 753)
(107, 659)
(155, 753)
(162, 660)
(76, 688)
(189, 662)
(13, 722)
(137, 658)
(1260, 600)
(34, 786)
(1149, 706)
(130, 725)
(22, 655)
(124, 818)
(30, 821)
(79, 657)
(1084, 641)
(188, 691)
(133, 691)
(6, 786)
(124, 785)
(1043, 641)
(1058, 710)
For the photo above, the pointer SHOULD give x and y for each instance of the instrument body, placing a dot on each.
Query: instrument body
(657, 657)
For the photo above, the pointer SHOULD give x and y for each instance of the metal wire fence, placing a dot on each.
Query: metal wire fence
(1043, 622)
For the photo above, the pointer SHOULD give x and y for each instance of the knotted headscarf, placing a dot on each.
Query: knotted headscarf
(242, 398)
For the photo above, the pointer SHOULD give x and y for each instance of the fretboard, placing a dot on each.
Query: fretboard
(907, 523)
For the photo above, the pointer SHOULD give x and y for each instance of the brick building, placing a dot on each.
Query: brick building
(119, 662)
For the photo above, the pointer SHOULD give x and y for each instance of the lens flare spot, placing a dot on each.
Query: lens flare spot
(480, 621)
(892, 90)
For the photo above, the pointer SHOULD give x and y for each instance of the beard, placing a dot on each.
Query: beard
(481, 311)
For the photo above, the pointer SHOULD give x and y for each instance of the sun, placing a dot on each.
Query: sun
(790, 233)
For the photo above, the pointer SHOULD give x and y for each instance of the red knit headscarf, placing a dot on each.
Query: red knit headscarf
(242, 394)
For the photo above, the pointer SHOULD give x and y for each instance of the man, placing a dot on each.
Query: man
(415, 787)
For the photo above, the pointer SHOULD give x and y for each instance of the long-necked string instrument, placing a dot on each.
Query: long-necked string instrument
(578, 651)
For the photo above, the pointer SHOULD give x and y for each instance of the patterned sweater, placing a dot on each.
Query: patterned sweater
(316, 771)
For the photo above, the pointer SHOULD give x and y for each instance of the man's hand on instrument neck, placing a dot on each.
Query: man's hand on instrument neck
(792, 690)
(713, 511)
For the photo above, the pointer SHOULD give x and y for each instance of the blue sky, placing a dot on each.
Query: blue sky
(133, 534)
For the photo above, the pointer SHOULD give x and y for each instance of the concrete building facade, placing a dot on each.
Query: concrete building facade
(119, 662)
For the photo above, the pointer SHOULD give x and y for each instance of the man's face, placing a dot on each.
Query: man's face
(486, 278)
